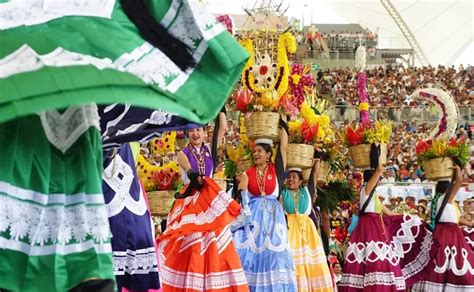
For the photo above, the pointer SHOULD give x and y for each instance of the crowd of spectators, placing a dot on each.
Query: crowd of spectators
(393, 86)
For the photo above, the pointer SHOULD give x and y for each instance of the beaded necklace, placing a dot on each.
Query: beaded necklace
(261, 175)
(199, 157)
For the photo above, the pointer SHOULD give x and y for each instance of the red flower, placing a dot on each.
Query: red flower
(422, 146)
(243, 99)
(453, 142)
(308, 132)
(263, 70)
(354, 137)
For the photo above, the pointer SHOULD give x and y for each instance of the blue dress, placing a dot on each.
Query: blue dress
(133, 247)
(262, 242)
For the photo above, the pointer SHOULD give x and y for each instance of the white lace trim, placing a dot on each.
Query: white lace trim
(191, 24)
(315, 283)
(421, 260)
(405, 238)
(450, 263)
(141, 261)
(308, 257)
(119, 176)
(40, 230)
(218, 206)
(201, 282)
(440, 287)
(372, 279)
(279, 230)
(222, 240)
(63, 129)
(468, 238)
(33, 12)
(373, 251)
(277, 277)
(49, 199)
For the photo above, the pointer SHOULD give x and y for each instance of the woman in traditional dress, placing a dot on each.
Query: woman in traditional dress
(312, 271)
(133, 245)
(385, 253)
(196, 249)
(263, 244)
(452, 266)
(54, 232)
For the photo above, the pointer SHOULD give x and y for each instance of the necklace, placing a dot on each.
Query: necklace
(199, 157)
(261, 179)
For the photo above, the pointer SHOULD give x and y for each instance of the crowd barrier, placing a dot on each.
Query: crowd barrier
(419, 191)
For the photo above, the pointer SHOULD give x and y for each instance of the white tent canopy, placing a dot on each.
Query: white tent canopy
(444, 29)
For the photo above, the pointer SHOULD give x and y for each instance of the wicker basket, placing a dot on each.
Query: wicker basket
(360, 155)
(299, 155)
(323, 171)
(160, 202)
(263, 125)
(438, 168)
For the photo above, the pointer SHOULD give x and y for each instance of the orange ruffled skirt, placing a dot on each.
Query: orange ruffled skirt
(196, 250)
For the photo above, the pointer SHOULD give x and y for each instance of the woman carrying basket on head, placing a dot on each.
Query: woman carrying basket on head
(385, 253)
(196, 249)
(452, 265)
(312, 271)
(262, 243)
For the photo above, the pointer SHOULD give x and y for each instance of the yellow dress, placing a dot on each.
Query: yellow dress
(312, 271)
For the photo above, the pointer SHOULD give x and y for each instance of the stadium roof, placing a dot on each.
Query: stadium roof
(444, 29)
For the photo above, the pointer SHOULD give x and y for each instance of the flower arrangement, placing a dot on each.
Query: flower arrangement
(447, 125)
(403, 208)
(238, 157)
(379, 132)
(439, 148)
(165, 144)
(309, 128)
(264, 82)
(156, 177)
(300, 89)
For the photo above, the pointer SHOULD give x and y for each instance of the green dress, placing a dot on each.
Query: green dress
(54, 230)
(78, 52)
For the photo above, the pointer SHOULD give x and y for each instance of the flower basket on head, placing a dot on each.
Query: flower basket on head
(438, 168)
(436, 156)
(263, 125)
(360, 155)
(300, 156)
(359, 142)
(160, 202)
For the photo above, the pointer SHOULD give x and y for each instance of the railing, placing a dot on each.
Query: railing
(417, 190)
(341, 113)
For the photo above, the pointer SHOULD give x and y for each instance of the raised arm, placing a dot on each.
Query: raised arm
(316, 167)
(221, 131)
(283, 141)
(372, 183)
(457, 183)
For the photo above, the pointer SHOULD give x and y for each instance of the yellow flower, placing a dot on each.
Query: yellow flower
(296, 78)
(269, 99)
(363, 106)
(308, 114)
(295, 127)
